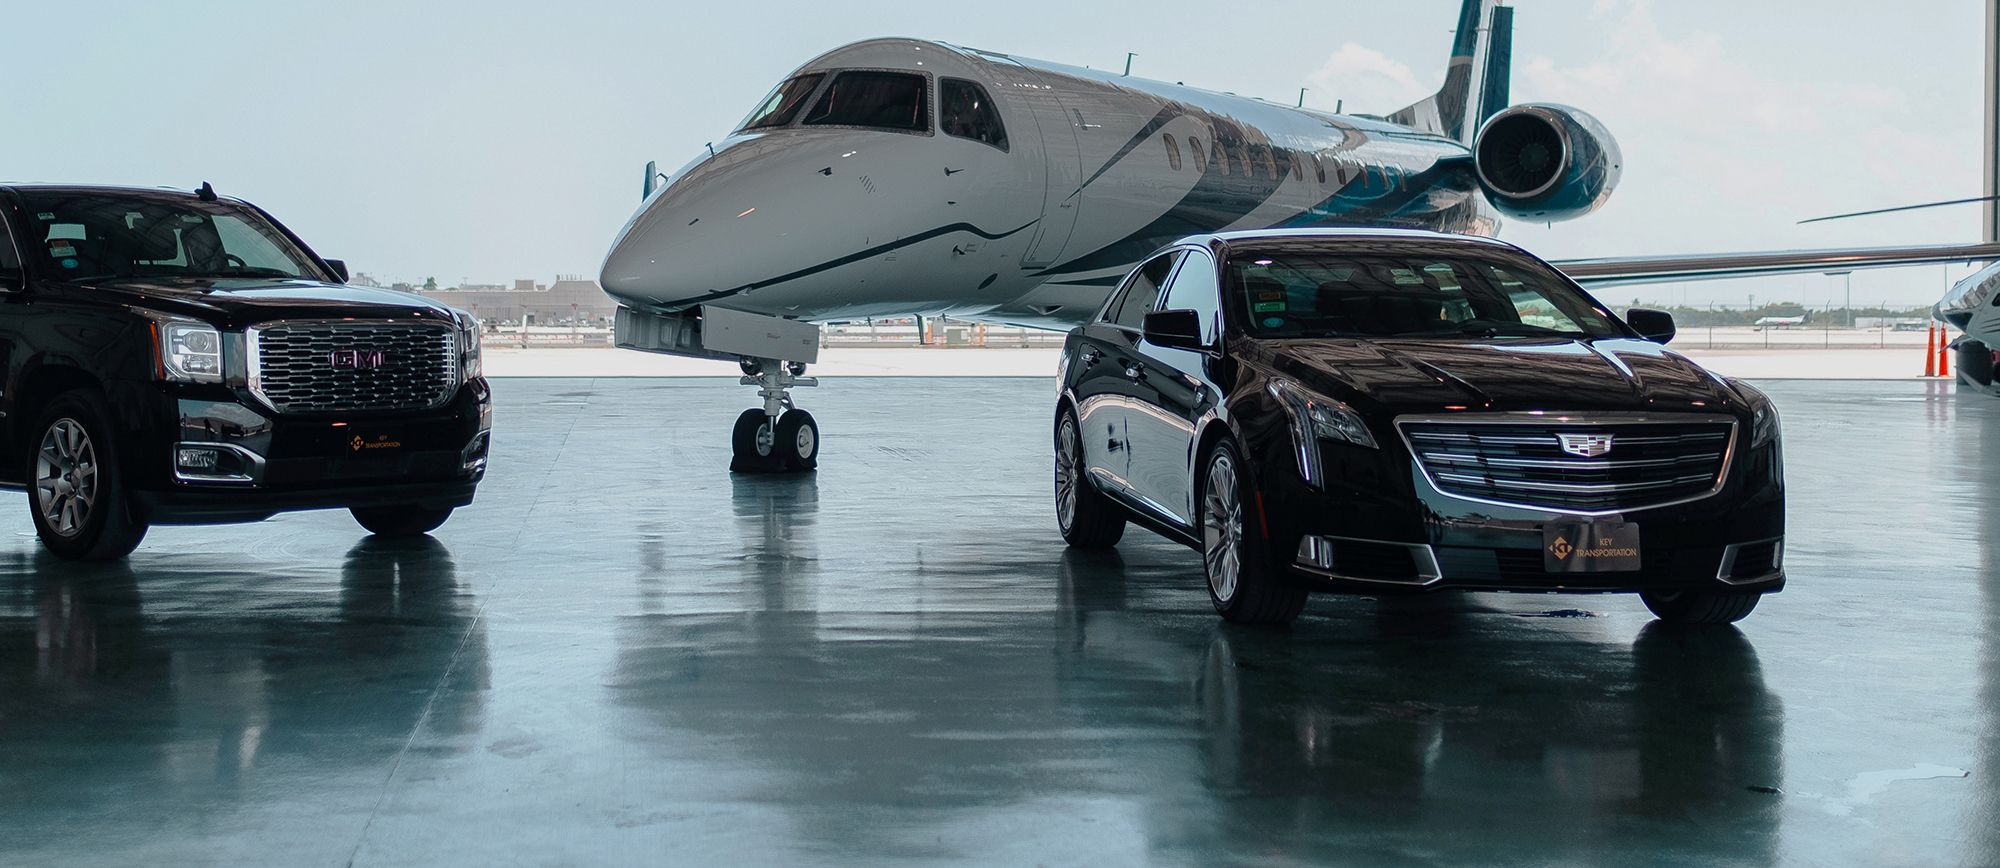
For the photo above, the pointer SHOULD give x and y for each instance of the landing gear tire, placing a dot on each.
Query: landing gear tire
(403, 521)
(1242, 584)
(798, 440)
(76, 492)
(1700, 608)
(753, 444)
(1087, 519)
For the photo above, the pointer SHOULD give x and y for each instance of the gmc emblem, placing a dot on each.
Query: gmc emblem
(356, 360)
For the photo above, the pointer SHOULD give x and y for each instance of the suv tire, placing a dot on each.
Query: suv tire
(407, 520)
(76, 487)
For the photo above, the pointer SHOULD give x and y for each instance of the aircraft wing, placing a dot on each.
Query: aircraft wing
(1621, 271)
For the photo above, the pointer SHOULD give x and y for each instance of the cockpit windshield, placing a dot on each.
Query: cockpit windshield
(784, 103)
(876, 100)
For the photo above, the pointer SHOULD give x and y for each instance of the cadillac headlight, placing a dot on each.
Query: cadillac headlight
(1763, 414)
(1314, 418)
(189, 352)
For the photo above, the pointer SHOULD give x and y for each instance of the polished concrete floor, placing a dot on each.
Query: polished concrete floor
(623, 655)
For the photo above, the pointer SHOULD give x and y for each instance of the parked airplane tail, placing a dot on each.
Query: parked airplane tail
(1476, 86)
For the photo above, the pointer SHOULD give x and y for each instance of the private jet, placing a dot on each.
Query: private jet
(896, 177)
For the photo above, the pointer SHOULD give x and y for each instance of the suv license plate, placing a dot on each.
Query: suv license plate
(373, 444)
(1591, 547)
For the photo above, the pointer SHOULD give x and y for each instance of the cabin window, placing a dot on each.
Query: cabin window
(783, 104)
(1220, 158)
(876, 100)
(1195, 152)
(965, 111)
(1173, 151)
(1298, 167)
(1319, 169)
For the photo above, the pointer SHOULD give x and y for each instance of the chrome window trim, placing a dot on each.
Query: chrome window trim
(253, 361)
(1538, 417)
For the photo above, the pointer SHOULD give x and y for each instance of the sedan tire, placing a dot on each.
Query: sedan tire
(1087, 519)
(1242, 583)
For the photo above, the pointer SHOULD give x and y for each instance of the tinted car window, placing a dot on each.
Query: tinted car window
(1196, 288)
(882, 100)
(965, 111)
(93, 235)
(1405, 289)
(10, 263)
(783, 104)
(1142, 293)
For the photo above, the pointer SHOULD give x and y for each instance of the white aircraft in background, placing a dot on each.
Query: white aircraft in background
(894, 177)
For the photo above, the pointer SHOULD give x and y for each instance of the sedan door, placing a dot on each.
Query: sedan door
(1178, 393)
(1105, 391)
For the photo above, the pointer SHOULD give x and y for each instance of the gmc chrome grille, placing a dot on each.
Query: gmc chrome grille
(346, 366)
(1648, 463)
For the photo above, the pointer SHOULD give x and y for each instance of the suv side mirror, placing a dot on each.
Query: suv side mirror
(1179, 329)
(1653, 325)
(339, 268)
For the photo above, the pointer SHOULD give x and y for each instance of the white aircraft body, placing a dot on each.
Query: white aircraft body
(894, 177)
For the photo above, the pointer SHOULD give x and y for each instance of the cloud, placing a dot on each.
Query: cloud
(1367, 80)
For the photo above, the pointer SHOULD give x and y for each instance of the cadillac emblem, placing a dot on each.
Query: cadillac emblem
(1585, 445)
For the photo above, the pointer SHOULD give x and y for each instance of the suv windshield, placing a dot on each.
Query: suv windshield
(85, 236)
(1369, 288)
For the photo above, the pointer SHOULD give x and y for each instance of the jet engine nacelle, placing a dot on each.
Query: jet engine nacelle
(1546, 162)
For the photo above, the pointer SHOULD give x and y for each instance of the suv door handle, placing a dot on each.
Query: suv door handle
(1091, 357)
(1135, 372)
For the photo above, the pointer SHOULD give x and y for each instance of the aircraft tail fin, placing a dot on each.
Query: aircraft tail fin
(1476, 85)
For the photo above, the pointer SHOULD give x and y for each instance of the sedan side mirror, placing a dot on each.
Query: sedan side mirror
(1179, 329)
(339, 268)
(1653, 325)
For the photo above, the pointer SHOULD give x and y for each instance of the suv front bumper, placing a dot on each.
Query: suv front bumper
(223, 459)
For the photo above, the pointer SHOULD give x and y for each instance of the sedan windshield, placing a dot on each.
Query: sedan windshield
(1373, 288)
(86, 236)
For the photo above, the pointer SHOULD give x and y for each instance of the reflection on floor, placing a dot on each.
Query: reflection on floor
(622, 654)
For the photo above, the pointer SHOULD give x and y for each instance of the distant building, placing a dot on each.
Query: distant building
(571, 297)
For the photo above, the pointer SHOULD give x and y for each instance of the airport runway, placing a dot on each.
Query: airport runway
(623, 655)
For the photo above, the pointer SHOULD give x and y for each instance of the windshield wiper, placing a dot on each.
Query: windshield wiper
(250, 271)
(1475, 328)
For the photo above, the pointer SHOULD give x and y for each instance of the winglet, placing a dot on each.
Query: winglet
(652, 175)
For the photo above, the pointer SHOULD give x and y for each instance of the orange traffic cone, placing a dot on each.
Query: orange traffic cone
(1930, 350)
(1944, 351)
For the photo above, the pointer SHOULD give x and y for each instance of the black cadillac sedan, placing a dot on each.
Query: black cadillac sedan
(1378, 411)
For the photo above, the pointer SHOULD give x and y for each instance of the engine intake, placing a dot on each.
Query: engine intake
(1546, 162)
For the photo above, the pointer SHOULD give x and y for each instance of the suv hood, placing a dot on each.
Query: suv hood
(241, 301)
(1501, 374)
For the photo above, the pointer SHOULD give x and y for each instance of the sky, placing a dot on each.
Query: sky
(493, 141)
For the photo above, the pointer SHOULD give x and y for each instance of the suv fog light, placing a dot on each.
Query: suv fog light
(473, 458)
(199, 462)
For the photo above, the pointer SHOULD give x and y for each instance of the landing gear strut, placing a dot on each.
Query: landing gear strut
(777, 437)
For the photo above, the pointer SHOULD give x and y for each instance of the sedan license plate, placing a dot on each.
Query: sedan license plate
(1591, 547)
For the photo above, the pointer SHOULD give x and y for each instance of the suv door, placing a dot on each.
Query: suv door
(1104, 387)
(1178, 393)
(13, 290)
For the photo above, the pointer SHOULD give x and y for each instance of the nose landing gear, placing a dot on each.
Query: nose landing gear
(778, 437)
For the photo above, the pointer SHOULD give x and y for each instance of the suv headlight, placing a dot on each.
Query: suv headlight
(1315, 417)
(189, 352)
(471, 362)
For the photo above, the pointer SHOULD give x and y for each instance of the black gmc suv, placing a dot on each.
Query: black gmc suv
(179, 358)
(1379, 411)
